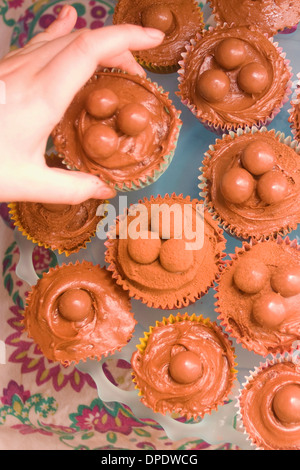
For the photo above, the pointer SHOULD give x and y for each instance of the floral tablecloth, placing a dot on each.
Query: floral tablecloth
(42, 404)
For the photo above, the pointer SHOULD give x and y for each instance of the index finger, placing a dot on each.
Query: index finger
(80, 58)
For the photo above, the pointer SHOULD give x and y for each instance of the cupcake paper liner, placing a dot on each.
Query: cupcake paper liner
(228, 326)
(178, 409)
(232, 229)
(220, 129)
(81, 349)
(181, 300)
(14, 215)
(293, 357)
(151, 175)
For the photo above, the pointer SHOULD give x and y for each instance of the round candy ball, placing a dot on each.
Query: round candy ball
(258, 157)
(133, 118)
(253, 78)
(174, 257)
(272, 187)
(286, 404)
(237, 185)
(251, 275)
(158, 17)
(144, 250)
(185, 367)
(100, 141)
(55, 207)
(74, 305)
(213, 85)
(286, 280)
(269, 310)
(102, 103)
(230, 53)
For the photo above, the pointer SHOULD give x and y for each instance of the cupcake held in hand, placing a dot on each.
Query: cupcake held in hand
(120, 127)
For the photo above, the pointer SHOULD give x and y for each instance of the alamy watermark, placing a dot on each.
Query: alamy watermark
(179, 221)
(2, 92)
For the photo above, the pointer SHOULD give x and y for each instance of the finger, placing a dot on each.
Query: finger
(90, 49)
(55, 186)
(128, 63)
(63, 25)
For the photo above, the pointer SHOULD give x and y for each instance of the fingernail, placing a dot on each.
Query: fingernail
(63, 12)
(154, 33)
(106, 193)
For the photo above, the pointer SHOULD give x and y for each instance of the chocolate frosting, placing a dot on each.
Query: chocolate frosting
(262, 213)
(257, 86)
(253, 304)
(187, 21)
(268, 16)
(61, 227)
(101, 147)
(175, 276)
(263, 415)
(203, 390)
(77, 312)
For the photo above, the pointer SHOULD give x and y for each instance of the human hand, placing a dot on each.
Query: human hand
(41, 80)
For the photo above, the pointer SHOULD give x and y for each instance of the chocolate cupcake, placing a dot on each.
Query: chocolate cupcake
(258, 296)
(184, 365)
(268, 16)
(269, 405)
(120, 127)
(233, 77)
(76, 312)
(173, 259)
(294, 111)
(251, 182)
(178, 19)
(63, 228)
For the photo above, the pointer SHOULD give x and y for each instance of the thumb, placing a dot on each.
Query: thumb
(54, 185)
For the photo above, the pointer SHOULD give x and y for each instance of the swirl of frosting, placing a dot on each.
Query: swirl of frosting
(61, 227)
(271, 423)
(178, 20)
(68, 313)
(273, 202)
(206, 367)
(256, 86)
(165, 271)
(251, 301)
(269, 16)
(135, 133)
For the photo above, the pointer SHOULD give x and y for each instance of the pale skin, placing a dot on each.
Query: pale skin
(41, 80)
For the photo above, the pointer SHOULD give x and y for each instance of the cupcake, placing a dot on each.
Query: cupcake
(233, 77)
(268, 16)
(63, 228)
(173, 258)
(76, 312)
(269, 405)
(184, 365)
(120, 127)
(251, 182)
(258, 296)
(294, 111)
(179, 20)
